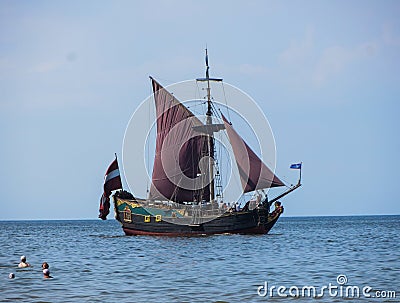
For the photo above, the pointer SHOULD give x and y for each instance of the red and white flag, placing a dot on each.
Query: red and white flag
(112, 181)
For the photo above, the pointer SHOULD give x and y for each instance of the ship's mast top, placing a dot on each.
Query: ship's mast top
(208, 80)
(209, 113)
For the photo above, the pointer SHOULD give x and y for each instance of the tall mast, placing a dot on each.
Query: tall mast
(210, 135)
(210, 129)
(209, 113)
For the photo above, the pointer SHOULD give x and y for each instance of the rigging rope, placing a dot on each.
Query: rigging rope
(226, 102)
(148, 141)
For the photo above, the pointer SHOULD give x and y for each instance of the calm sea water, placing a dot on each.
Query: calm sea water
(92, 261)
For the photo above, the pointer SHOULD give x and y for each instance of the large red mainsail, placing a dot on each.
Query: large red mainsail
(254, 174)
(179, 150)
(112, 181)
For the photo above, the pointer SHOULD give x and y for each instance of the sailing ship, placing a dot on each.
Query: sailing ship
(185, 196)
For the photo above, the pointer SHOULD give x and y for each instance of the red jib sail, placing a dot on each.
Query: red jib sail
(112, 181)
(254, 174)
(179, 149)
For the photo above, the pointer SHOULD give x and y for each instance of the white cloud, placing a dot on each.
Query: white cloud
(389, 36)
(252, 70)
(45, 67)
(306, 61)
(332, 61)
(335, 59)
(298, 50)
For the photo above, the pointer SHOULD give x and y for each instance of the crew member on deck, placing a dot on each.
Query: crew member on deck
(23, 263)
(266, 204)
(258, 200)
(237, 206)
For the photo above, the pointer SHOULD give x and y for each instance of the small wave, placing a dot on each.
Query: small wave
(107, 236)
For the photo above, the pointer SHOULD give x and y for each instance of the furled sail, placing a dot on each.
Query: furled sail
(254, 174)
(179, 163)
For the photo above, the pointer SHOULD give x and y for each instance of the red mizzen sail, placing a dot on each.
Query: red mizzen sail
(254, 174)
(112, 181)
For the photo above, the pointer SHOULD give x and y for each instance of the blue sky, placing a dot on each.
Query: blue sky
(326, 74)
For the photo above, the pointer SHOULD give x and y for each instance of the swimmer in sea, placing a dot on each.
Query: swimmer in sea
(46, 274)
(23, 263)
(45, 265)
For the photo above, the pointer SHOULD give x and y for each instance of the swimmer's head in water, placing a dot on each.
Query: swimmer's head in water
(23, 258)
(45, 265)
(11, 276)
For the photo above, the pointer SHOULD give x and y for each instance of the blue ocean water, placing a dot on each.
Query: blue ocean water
(92, 261)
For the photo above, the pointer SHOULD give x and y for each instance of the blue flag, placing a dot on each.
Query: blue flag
(296, 166)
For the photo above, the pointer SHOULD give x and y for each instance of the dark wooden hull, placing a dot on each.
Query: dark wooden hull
(256, 221)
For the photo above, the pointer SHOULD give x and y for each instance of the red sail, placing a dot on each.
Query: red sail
(254, 174)
(112, 181)
(179, 149)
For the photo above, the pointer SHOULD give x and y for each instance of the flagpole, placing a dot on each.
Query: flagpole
(116, 158)
(301, 165)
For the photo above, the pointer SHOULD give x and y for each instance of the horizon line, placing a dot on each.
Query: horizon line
(113, 219)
